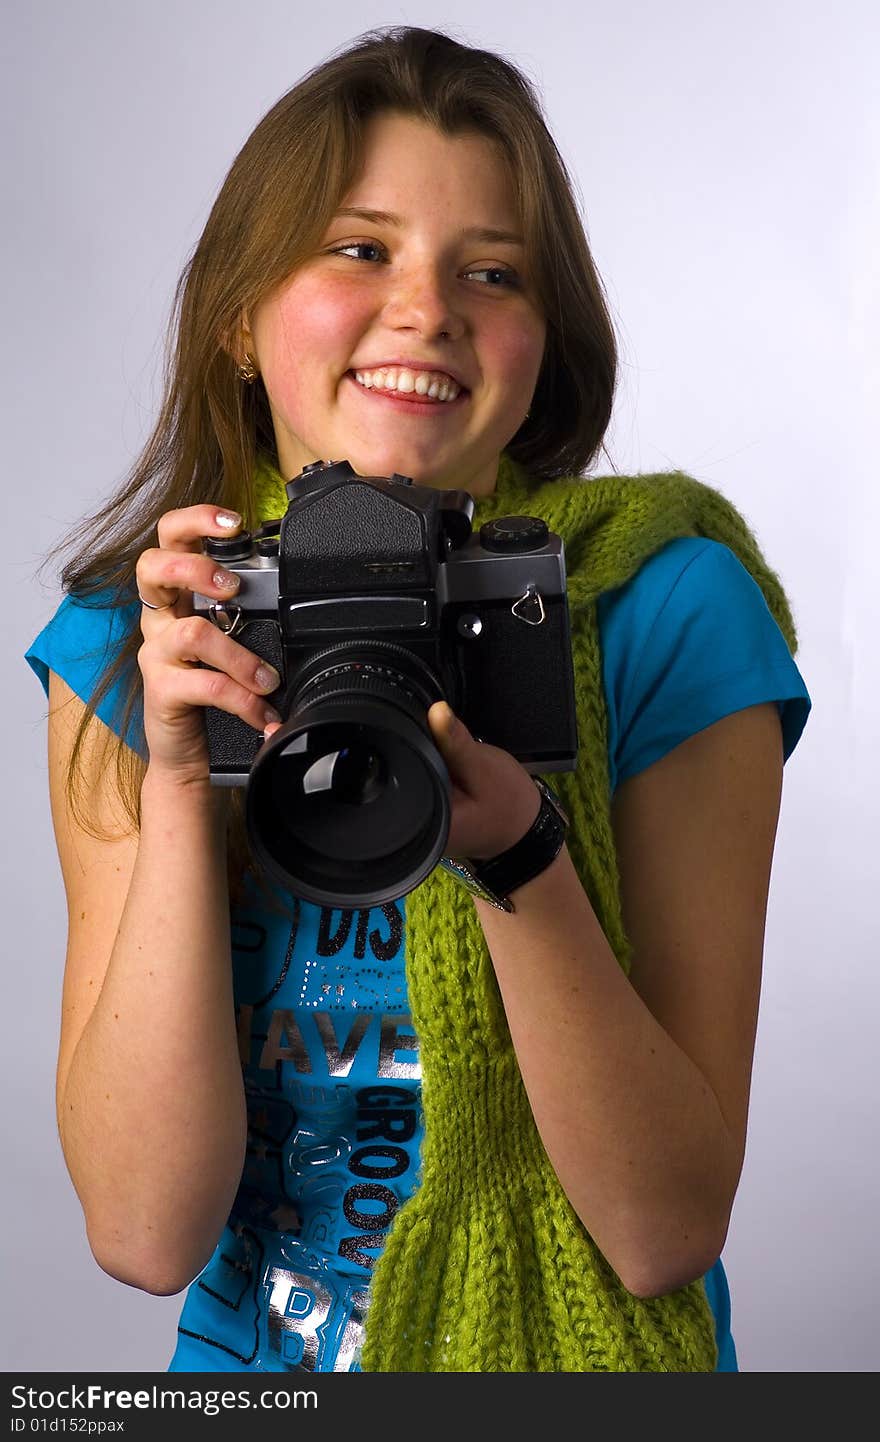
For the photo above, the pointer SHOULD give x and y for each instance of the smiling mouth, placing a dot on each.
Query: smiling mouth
(446, 397)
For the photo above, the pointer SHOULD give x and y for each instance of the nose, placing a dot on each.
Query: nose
(421, 299)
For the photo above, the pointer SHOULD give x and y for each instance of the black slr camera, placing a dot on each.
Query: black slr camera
(373, 600)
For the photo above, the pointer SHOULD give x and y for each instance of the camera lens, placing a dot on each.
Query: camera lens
(346, 796)
(354, 774)
(348, 802)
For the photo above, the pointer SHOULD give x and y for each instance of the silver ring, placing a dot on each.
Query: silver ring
(152, 607)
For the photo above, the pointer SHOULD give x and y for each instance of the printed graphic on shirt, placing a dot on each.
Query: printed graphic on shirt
(331, 1069)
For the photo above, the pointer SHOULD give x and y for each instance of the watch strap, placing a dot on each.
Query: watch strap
(495, 879)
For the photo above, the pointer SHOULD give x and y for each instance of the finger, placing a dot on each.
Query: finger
(194, 639)
(231, 677)
(447, 728)
(456, 745)
(159, 579)
(182, 530)
(495, 801)
(175, 691)
(165, 576)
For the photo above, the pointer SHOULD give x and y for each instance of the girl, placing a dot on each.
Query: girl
(492, 1126)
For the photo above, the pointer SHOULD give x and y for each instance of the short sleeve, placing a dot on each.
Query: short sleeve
(80, 641)
(689, 639)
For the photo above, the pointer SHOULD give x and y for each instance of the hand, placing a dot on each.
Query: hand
(494, 799)
(176, 689)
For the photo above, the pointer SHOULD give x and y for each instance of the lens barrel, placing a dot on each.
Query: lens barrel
(348, 802)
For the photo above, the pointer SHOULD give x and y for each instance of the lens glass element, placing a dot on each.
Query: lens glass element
(347, 794)
(355, 774)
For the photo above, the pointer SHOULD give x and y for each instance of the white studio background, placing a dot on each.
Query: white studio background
(727, 161)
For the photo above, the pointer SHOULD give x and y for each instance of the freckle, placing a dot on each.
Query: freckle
(653, 1053)
(82, 916)
(116, 1015)
(107, 1096)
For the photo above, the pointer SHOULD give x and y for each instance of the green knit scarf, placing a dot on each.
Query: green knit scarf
(487, 1267)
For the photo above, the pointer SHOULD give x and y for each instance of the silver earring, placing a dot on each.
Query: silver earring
(247, 371)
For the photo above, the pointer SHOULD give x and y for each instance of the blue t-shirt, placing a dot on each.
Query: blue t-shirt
(330, 1059)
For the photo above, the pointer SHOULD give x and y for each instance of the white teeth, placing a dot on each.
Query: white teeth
(433, 384)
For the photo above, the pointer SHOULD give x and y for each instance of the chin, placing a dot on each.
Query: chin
(384, 459)
(386, 462)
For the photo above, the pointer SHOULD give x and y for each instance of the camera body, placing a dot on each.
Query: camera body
(373, 599)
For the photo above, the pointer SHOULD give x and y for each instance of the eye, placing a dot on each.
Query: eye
(500, 275)
(357, 245)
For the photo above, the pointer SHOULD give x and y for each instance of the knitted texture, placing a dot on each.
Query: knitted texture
(487, 1267)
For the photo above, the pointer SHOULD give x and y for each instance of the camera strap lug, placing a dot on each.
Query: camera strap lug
(528, 602)
(226, 618)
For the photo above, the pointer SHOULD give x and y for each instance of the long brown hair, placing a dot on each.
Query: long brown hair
(272, 210)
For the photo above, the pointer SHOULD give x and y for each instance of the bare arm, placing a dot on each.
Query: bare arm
(149, 1090)
(150, 1098)
(640, 1086)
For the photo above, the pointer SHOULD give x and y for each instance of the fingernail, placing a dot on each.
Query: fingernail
(270, 716)
(448, 718)
(267, 678)
(225, 580)
(228, 520)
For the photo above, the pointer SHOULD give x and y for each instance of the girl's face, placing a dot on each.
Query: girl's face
(420, 279)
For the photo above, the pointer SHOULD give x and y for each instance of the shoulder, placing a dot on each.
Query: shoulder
(660, 572)
(95, 622)
(688, 639)
(685, 594)
(611, 524)
(684, 574)
(84, 638)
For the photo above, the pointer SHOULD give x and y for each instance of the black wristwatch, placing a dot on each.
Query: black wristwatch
(494, 880)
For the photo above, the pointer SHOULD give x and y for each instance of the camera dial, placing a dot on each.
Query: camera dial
(514, 533)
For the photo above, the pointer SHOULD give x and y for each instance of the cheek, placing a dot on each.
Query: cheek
(316, 321)
(518, 350)
(306, 341)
